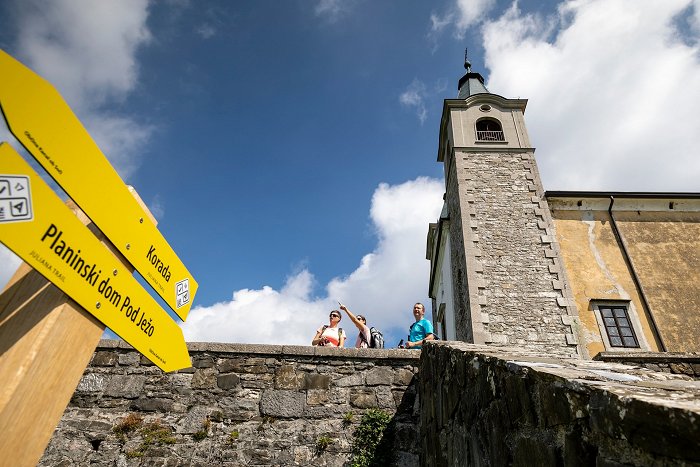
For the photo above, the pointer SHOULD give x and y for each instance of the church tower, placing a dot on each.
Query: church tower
(496, 271)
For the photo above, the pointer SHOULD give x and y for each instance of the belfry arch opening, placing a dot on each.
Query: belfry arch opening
(489, 129)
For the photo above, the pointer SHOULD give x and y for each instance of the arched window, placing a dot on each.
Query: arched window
(489, 129)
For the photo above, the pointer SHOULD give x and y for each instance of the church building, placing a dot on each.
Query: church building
(567, 274)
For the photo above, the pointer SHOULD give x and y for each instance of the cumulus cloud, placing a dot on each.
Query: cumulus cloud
(88, 51)
(609, 84)
(384, 286)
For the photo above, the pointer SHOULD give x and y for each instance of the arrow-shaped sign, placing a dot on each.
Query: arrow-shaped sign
(46, 126)
(62, 249)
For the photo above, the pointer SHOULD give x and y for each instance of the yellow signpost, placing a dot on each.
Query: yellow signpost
(41, 120)
(41, 230)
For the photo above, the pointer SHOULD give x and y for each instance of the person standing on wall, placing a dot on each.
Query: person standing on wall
(421, 330)
(360, 321)
(330, 335)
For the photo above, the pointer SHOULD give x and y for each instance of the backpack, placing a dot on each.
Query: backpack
(376, 340)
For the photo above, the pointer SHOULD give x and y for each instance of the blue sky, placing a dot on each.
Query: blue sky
(288, 149)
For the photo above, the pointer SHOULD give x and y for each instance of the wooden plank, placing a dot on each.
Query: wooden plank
(46, 341)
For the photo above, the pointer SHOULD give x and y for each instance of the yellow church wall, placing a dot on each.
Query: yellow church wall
(664, 250)
(597, 271)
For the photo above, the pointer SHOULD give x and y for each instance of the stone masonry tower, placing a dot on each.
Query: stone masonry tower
(507, 279)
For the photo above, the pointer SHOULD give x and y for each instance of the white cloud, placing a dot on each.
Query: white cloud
(88, 51)
(462, 15)
(332, 10)
(471, 12)
(610, 85)
(414, 97)
(206, 31)
(384, 286)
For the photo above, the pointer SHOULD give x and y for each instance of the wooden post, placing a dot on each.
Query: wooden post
(46, 342)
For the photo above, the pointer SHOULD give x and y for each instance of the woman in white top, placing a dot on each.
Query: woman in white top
(330, 335)
(360, 321)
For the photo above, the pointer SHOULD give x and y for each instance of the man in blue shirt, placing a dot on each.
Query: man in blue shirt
(421, 330)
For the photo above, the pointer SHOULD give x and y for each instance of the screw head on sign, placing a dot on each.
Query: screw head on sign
(141, 220)
(114, 272)
(128, 246)
(98, 305)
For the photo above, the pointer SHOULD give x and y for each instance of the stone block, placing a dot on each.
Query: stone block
(282, 403)
(152, 404)
(125, 386)
(385, 399)
(316, 396)
(228, 381)
(317, 381)
(379, 376)
(287, 377)
(92, 383)
(129, 359)
(204, 378)
(363, 398)
(356, 379)
(104, 358)
(202, 361)
(403, 377)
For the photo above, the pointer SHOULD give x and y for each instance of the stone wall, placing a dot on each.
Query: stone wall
(481, 405)
(238, 405)
(666, 362)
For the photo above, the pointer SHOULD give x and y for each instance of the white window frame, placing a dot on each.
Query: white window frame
(634, 321)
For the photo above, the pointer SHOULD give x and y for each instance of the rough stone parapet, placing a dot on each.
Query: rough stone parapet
(239, 404)
(524, 408)
(667, 362)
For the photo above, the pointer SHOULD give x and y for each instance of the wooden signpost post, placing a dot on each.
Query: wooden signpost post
(75, 280)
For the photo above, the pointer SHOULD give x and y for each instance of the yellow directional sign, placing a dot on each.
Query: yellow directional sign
(46, 126)
(41, 230)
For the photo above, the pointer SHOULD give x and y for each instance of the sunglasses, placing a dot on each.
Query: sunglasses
(333, 315)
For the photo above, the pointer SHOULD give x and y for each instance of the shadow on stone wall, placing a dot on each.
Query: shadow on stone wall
(489, 406)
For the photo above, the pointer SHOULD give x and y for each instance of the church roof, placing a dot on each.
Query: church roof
(471, 83)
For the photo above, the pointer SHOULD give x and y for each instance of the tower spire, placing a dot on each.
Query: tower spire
(471, 83)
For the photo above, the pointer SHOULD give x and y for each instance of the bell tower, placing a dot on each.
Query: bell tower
(500, 264)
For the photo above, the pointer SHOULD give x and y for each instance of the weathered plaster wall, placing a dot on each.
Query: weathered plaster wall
(482, 405)
(239, 405)
(664, 248)
(597, 271)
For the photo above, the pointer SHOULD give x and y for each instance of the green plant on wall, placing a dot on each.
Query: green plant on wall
(232, 438)
(152, 434)
(203, 432)
(322, 444)
(371, 445)
(127, 425)
(347, 418)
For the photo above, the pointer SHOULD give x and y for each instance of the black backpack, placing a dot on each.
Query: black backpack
(376, 340)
